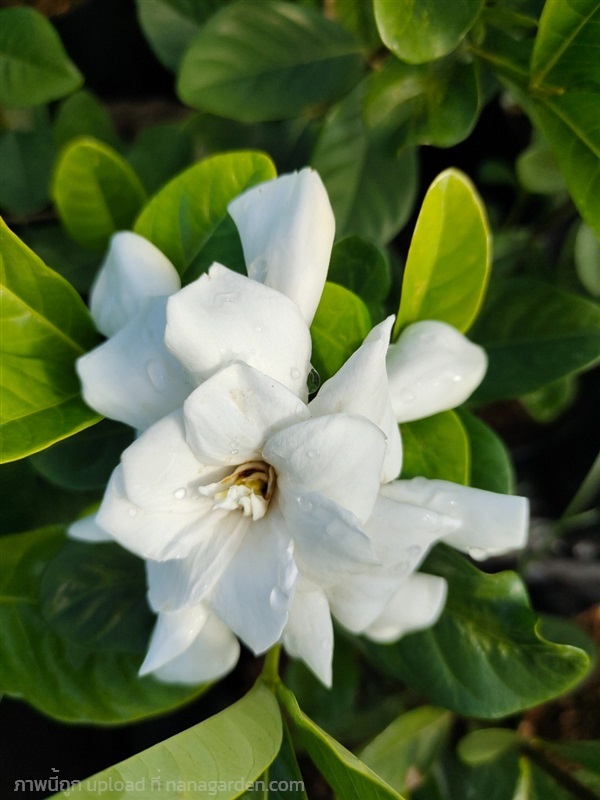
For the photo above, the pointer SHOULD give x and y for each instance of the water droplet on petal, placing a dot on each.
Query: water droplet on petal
(312, 454)
(277, 600)
(313, 381)
(407, 397)
(414, 550)
(305, 503)
(234, 451)
(157, 374)
(300, 410)
(432, 519)
(133, 512)
(295, 373)
(180, 493)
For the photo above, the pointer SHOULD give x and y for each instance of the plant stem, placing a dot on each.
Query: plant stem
(270, 670)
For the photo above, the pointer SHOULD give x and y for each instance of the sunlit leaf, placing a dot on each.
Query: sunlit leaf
(436, 447)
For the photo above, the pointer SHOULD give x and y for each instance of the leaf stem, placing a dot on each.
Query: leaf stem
(564, 779)
(270, 670)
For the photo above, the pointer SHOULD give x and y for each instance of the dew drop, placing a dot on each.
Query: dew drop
(180, 493)
(277, 599)
(133, 512)
(312, 454)
(414, 550)
(305, 503)
(457, 378)
(407, 397)
(432, 519)
(234, 451)
(226, 299)
(300, 410)
(295, 373)
(313, 381)
(157, 375)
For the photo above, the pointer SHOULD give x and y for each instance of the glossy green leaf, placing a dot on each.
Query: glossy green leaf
(411, 742)
(364, 269)
(218, 758)
(587, 259)
(347, 775)
(45, 327)
(534, 334)
(436, 447)
(448, 263)
(94, 596)
(96, 192)
(423, 30)
(484, 657)
(83, 114)
(551, 400)
(491, 464)
(159, 153)
(170, 25)
(34, 67)
(340, 325)
(372, 192)
(188, 218)
(435, 104)
(60, 679)
(266, 61)
(26, 157)
(486, 744)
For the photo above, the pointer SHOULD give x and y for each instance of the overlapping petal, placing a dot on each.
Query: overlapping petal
(287, 229)
(309, 631)
(417, 604)
(87, 529)
(432, 368)
(132, 270)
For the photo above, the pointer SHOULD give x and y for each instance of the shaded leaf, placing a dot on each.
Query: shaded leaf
(491, 464)
(436, 447)
(364, 269)
(159, 153)
(83, 114)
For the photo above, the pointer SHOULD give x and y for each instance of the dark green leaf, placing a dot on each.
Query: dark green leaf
(188, 219)
(268, 60)
(484, 657)
(534, 334)
(359, 18)
(581, 759)
(424, 30)
(491, 465)
(59, 680)
(82, 114)
(364, 269)
(340, 325)
(436, 447)
(536, 784)
(347, 776)
(45, 327)
(538, 172)
(549, 402)
(587, 259)
(34, 67)
(75, 263)
(485, 745)
(159, 153)
(96, 192)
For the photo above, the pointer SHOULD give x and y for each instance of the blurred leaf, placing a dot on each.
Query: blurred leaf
(491, 465)
(84, 461)
(538, 172)
(348, 777)
(159, 153)
(266, 61)
(45, 327)
(582, 757)
(435, 104)
(224, 754)
(549, 402)
(75, 263)
(26, 157)
(49, 673)
(410, 743)
(486, 744)
(371, 191)
(448, 263)
(587, 259)
(170, 25)
(364, 269)
(34, 67)
(359, 18)
(436, 447)
(83, 114)
(484, 657)
(188, 218)
(533, 334)
(452, 780)
(536, 784)
(340, 325)
(423, 30)
(96, 192)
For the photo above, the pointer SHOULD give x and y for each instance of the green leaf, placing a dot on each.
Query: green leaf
(534, 334)
(218, 758)
(549, 402)
(364, 269)
(583, 759)
(587, 259)
(486, 744)
(359, 18)
(435, 104)
(348, 777)
(82, 114)
(267, 61)
(536, 784)
(188, 219)
(58, 679)
(436, 447)
(538, 172)
(372, 192)
(96, 192)
(45, 327)
(340, 325)
(410, 743)
(448, 263)
(75, 263)
(170, 25)
(484, 657)
(491, 464)
(283, 779)
(159, 153)
(34, 67)
(423, 30)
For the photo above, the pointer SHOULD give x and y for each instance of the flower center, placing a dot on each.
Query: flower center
(250, 488)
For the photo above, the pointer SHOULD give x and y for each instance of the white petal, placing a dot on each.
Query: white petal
(87, 529)
(339, 456)
(254, 594)
(488, 523)
(230, 416)
(132, 270)
(359, 599)
(309, 633)
(431, 368)
(158, 535)
(191, 646)
(287, 229)
(361, 387)
(162, 473)
(224, 317)
(132, 377)
(417, 604)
